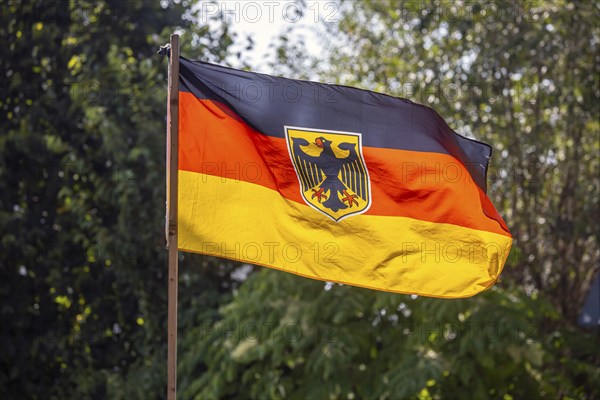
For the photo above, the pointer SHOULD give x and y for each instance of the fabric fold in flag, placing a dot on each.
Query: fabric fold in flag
(333, 183)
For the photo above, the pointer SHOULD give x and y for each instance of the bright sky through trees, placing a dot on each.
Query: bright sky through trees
(264, 21)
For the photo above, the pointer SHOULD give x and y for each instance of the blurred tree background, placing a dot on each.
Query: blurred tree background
(82, 259)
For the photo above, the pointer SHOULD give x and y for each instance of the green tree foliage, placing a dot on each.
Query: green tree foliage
(288, 337)
(82, 260)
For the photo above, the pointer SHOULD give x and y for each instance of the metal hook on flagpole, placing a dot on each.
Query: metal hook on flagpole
(165, 50)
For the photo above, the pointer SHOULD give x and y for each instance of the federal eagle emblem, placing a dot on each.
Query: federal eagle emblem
(331, 170)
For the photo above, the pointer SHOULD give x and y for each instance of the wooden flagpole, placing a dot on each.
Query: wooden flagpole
(172, 184)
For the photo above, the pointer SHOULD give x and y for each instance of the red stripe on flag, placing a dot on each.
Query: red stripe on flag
(426, 186)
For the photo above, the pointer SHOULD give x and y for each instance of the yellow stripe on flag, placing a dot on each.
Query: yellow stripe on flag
(254, 224)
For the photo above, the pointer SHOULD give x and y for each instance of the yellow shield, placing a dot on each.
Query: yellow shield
(331, 170)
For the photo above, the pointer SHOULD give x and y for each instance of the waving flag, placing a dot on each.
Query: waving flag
(333, 183)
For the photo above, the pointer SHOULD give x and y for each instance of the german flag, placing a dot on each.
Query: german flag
(333, 183)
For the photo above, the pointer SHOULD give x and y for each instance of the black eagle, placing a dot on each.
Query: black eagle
(322, 174)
